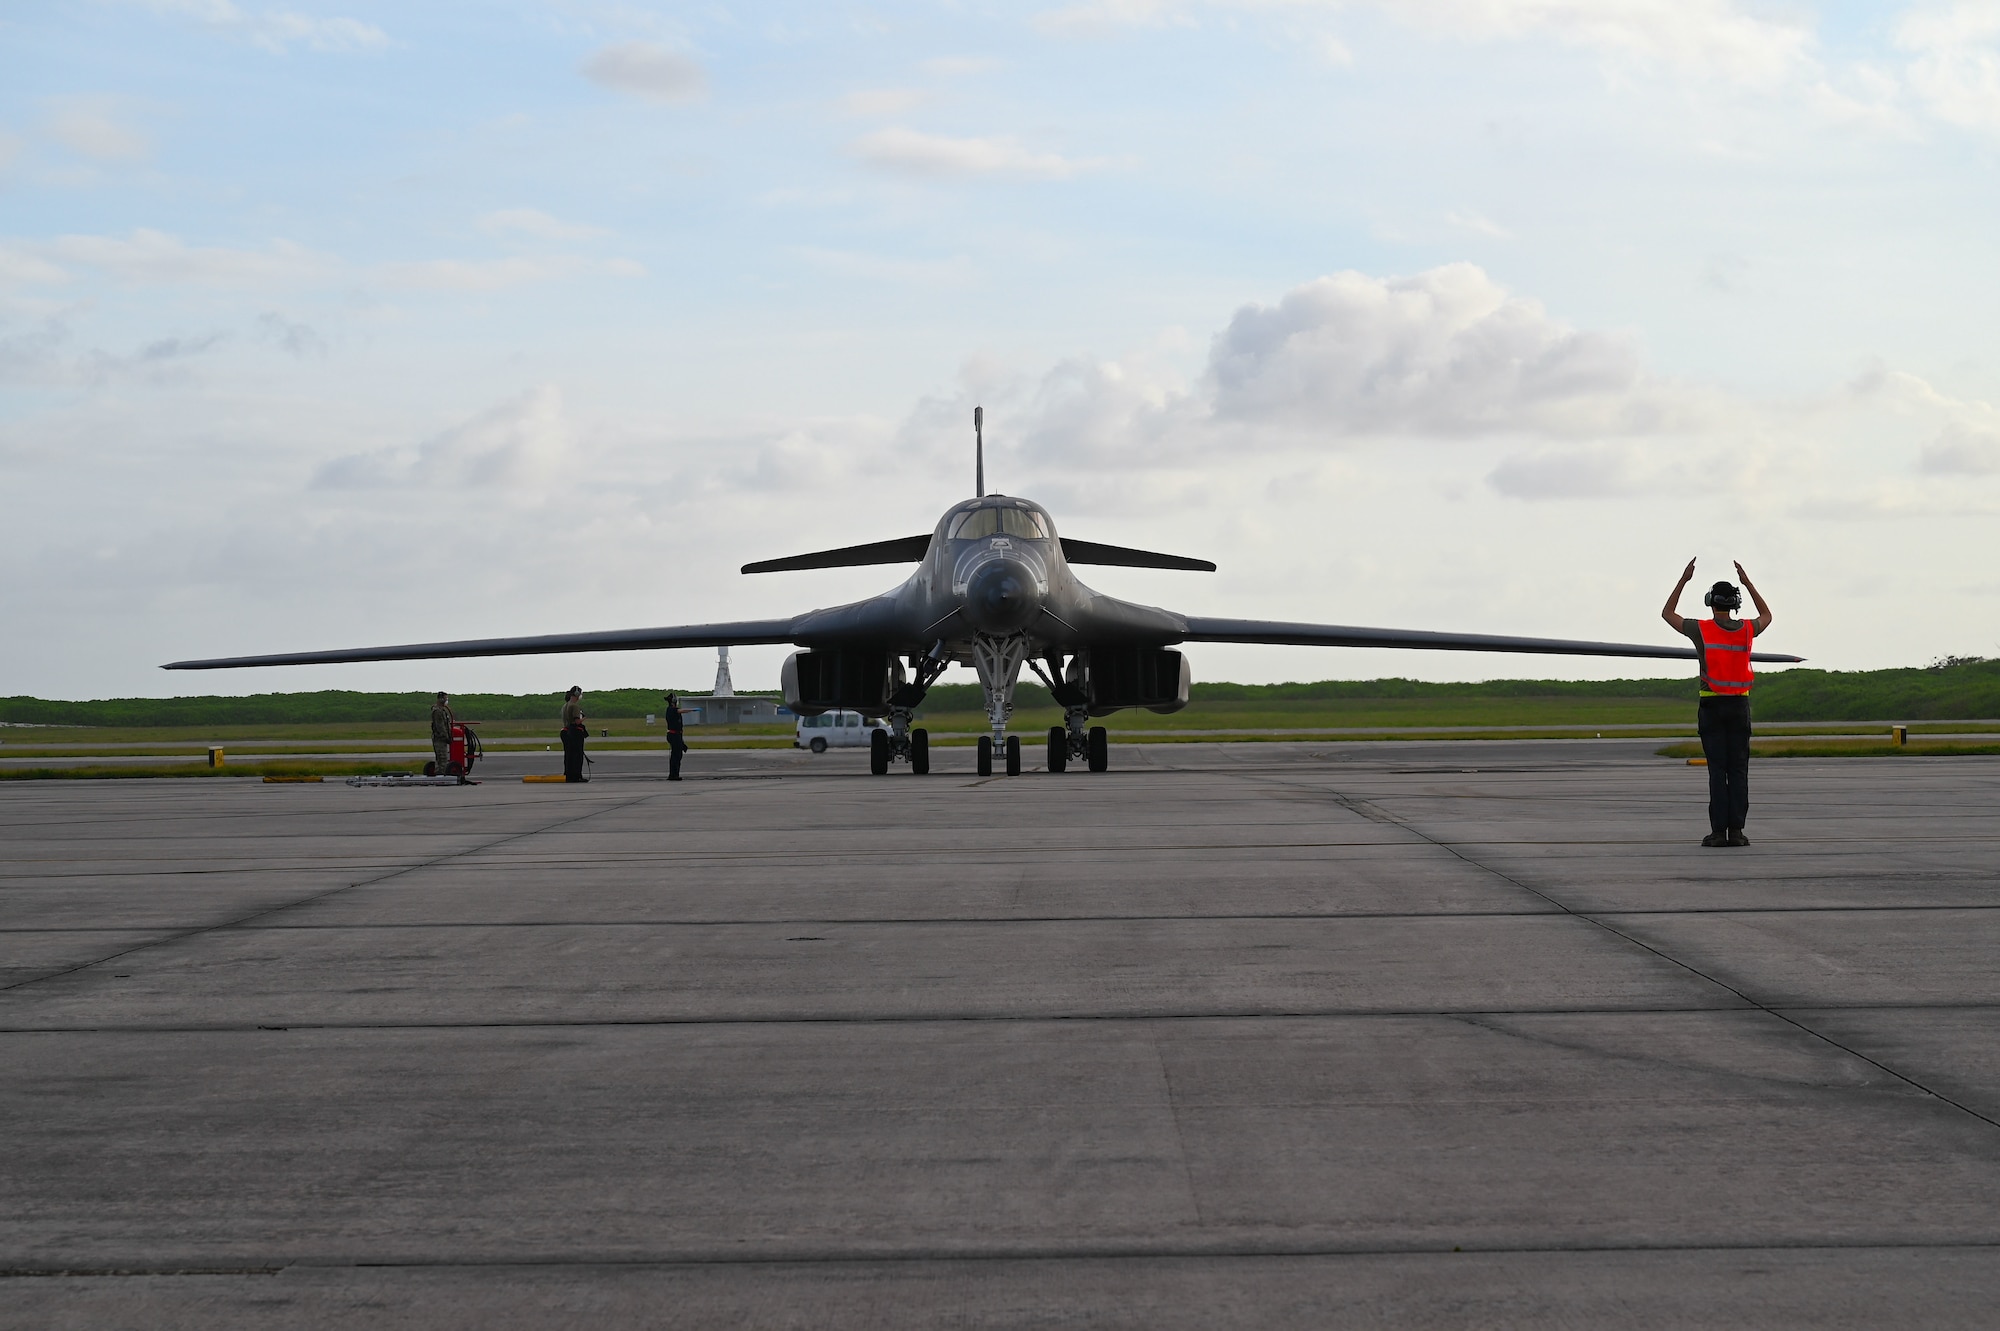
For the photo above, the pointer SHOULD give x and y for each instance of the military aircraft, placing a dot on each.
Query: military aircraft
(994, 590)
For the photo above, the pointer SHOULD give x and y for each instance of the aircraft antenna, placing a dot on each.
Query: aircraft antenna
(979, 449)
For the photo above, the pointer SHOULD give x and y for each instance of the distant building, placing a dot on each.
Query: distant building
(726, 707)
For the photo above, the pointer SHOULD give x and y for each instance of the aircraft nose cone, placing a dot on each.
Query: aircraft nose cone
(1001, 597)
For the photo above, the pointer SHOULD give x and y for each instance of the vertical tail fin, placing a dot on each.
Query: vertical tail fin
(979, 448)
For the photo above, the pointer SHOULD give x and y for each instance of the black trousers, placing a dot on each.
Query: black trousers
(1724, 724)
(674, 763)
(573, 754)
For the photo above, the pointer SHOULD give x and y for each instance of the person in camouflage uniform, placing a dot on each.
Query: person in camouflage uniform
(441, 719)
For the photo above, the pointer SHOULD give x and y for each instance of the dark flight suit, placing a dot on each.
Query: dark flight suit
(676, 741)
(574, 732)
(441, 735)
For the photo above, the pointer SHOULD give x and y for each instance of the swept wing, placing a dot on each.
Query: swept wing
(1281, 633)
(745, 633)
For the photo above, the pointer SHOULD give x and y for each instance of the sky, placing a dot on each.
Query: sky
(357, 323)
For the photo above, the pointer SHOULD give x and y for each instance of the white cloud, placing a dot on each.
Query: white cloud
(1591, 472)
(154, 256)
(1962, 450)
(1447, 352)
(1445, 355)
(1717, 37)
(517, 445)
(882, 101)
(1955, 61)
(647, 69)
(534, 222)
(91, 126)
(18, 267)
(911, 152)
(1479, 225)
(274, 30)
(496, 274)
(10, 148)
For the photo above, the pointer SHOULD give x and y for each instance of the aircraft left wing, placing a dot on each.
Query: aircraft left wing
(1278, 633)
(746, 633)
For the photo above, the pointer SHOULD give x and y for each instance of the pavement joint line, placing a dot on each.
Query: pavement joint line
(181, 935)
(786, 922)
(860, 1255)
(1382, 815)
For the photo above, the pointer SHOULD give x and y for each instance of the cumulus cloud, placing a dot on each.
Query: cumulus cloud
(535, 222)
(516, 445)
(495, 274)
(1446, 352)
(1962, 450)
(93, 128)
(276, 30)
(647, 69)
(911, 152)
(1445, 355)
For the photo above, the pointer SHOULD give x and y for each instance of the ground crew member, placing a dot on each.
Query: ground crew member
(441, 732)
(676, 738)
(1722, 646)
(574, 731)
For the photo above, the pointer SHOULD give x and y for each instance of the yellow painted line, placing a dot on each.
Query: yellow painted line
(284, 780)
(531, 779)
(1697, 762)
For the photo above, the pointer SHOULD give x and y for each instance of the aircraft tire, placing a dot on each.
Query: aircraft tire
(1100, 749)
(1058, 748)
(1013, 755)
(878, 753)
(920, 753)
(986, 755)
(818, 745)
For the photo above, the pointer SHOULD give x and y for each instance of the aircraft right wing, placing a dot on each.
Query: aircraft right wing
(1278, 633)
(747, 633)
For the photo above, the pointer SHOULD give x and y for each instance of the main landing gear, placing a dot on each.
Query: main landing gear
(999, 662)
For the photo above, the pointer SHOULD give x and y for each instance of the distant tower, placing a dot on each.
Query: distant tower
(723, 687)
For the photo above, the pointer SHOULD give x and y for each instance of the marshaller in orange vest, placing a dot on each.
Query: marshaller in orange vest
(1722, 645)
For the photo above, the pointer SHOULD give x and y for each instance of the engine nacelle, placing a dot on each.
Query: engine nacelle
(829, 679)
(1150, 677)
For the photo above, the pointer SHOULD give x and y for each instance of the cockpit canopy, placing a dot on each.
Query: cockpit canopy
(1008, 517)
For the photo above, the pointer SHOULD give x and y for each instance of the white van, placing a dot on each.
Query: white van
(834, 730)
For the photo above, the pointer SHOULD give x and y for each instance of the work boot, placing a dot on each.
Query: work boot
(1715, 839)
(1736, 837)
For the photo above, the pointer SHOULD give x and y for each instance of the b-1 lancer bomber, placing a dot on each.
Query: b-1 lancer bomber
(995, 589)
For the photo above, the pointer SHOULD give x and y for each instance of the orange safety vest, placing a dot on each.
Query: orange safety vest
(1725, 657)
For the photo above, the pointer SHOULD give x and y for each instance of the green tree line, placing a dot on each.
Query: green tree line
(1958, 689)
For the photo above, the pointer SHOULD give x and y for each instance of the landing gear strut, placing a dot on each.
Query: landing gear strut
(903, 742)
(1075, 739)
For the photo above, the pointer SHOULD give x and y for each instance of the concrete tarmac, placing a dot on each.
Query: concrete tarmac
(1274, 1035)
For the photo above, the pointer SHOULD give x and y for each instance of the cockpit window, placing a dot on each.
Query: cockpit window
(1022, 522)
